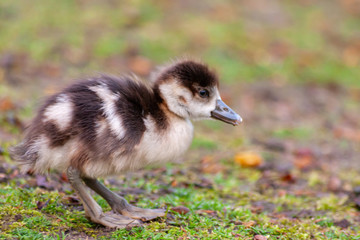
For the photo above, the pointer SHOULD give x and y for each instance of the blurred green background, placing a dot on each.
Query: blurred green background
(246, 41)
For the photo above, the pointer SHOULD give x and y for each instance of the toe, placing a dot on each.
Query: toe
(144, 214)
(113, 220)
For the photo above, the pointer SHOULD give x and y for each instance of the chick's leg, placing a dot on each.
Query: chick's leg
(92, 210)
(120, 205)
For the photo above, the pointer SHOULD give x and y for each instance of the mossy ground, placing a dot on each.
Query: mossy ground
(231, 204)
(290, 68)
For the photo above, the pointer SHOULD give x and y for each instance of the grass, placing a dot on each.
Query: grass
(223, 211)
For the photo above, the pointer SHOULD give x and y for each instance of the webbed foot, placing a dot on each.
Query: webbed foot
(120, 205)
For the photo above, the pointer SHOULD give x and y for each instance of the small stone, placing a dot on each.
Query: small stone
(18, 217)
(334, 184)
(343, 223)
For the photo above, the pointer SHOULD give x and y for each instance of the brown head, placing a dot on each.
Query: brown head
(190, 90)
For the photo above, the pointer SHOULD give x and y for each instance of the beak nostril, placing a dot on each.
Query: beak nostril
(226, 109)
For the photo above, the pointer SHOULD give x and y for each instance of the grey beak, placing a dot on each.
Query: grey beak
(223, 113)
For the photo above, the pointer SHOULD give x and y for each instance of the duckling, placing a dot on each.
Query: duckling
(110, 125)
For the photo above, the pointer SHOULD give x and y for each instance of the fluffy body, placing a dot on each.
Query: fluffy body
(108, 125)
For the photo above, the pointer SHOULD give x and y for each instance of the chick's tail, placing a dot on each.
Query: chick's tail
(25, 155)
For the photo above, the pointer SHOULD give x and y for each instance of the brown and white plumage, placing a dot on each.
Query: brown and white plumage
(109, 125)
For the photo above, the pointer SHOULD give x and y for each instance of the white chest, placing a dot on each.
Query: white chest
(169, 145)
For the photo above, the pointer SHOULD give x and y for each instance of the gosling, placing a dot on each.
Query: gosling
(110, 125)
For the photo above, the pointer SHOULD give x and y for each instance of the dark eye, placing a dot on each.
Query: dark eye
(204, 93)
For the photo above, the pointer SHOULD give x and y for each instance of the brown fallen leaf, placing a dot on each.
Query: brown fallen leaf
(302, 192)
(180, 209)
(237, 236)
(249, 224)
(206, 212)
(72, 201)
(303, 152)
(248, 159)
(210, 165)
(288, 177)
(40, 205)
(304, 158)
(6, 104)
(63, 177)
(303, 162)
(140, 65)
(348, 133)
(260, 237)
(174, 183)
(236, 222)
